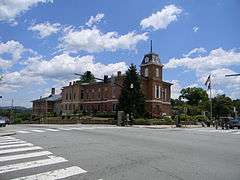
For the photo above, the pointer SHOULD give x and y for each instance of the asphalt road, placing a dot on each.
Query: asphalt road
(109, 153)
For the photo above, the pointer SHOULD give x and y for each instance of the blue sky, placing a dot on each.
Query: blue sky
(43, 42)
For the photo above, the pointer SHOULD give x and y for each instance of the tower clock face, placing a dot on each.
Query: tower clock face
(146, 59)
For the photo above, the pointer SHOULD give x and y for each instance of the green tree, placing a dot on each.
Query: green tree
(87, 77)
(236, 103)
(131, 99)
(194, 95)
(222, 106)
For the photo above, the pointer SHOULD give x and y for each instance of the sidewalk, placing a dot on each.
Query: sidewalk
(165, 126)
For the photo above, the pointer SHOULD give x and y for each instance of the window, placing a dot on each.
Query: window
(157, 92)
(74, 96)
(146, 72)
(157, 72)
(165, 94)
(114, 107)
(82, 94)
(81, 107)
(70, 96)
(66, 96)
(98, 107)
(99, 93)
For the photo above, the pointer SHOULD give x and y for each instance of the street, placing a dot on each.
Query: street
(128, 153)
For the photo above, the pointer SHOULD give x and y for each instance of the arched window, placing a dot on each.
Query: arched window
(157, 72)
(146, 72)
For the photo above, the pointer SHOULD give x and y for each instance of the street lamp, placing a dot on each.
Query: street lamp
(229, 75)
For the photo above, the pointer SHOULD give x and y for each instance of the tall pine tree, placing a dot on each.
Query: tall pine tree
(132, 99)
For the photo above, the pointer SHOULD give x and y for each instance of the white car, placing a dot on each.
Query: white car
(2, 122)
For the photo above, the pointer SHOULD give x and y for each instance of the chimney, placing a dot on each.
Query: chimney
(119, 73)
(53, 91)
(70, 83)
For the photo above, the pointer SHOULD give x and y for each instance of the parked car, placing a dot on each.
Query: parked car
(2, 122)
(223, 122)
(234, 123)
(7, 120)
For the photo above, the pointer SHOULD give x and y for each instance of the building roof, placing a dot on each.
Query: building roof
(151, 58)
(52, 97)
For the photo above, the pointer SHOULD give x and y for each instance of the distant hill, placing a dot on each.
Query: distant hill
(20, 108)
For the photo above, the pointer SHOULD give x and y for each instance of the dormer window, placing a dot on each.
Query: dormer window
(146, 59)
(146, 72)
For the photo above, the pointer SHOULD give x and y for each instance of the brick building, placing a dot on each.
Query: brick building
(46, 105)
(103, 97)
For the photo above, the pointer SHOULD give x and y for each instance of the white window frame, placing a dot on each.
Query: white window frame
(146, 72)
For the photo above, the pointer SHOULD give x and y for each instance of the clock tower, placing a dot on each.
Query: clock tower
(156, 91)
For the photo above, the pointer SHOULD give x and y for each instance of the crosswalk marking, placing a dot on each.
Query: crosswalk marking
(37, 130)
(9, 140)
(31, 164)
(16, 145)
(5, 151)
(24, 156)
(54, 130)
(55, 174)
(46, 158)
(24, 132)
(6, 138)
(12, 142)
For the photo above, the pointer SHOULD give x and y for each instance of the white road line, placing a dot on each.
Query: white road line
(54, 130)
(55, 174)
(65, 129)
(7, 137)
(236, 132)
(16, 145)
(31, 164)
(5, 151)
(12, 142)
(24, 132)
(37, 130)
(24, 156)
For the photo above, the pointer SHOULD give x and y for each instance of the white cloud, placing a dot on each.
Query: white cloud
(95, 20)
(45, 29)
(64, 66)
(14, 51)
(175, 89)
(60, 69)
(217, 58)
(93, 40)
(195, 51)
(195, 29)
(10, 9)
(217, 63)
(161, 19)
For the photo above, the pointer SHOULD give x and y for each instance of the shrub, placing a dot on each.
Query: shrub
(17, 121)
(184, 118)
(200, 118)
(105, 114)
(142, 121)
